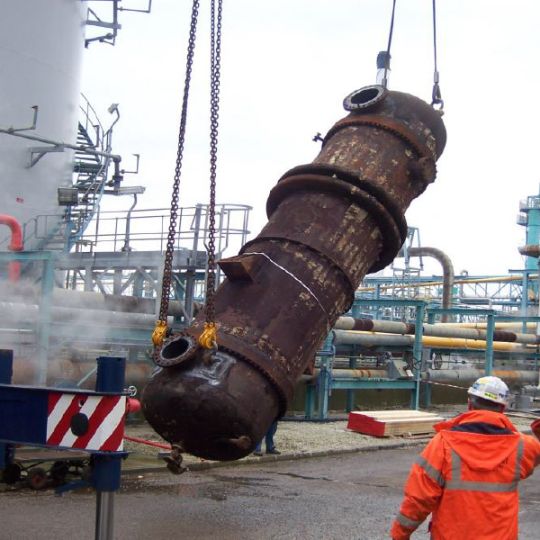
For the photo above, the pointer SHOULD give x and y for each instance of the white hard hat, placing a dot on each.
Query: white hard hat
(490, 388)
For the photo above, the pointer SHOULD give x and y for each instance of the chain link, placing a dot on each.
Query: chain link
(167, 270)
(215, 73)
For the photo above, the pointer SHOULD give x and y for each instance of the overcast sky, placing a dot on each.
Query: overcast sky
(286, 67)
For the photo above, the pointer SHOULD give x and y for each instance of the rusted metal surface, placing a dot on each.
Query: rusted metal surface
(355, 373)
(330, 222)
(530, 250)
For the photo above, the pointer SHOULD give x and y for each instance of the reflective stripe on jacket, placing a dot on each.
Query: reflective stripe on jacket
(467, 477)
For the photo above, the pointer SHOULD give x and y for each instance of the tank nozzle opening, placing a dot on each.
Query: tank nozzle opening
(176, 351)
(364, 98)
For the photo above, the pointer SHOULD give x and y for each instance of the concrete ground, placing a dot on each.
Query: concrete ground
(341, 497)
(351, 488)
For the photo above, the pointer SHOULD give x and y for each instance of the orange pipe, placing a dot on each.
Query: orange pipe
(14, 267)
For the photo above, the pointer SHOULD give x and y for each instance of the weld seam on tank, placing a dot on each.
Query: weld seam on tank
(233, 345)
(331, 261)
(302, 284)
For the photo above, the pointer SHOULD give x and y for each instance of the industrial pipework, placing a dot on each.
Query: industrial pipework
(448, 273)
(330, 223)
(437, 330)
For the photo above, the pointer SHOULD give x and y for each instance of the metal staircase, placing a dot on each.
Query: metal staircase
(61, 232)
(91, 177)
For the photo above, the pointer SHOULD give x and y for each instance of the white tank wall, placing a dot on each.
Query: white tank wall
(41, 47)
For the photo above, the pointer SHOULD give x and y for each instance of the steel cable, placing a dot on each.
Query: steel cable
(436, 98)
(390, 34)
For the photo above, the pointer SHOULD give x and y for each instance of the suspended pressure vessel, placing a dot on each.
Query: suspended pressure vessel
(329, 223)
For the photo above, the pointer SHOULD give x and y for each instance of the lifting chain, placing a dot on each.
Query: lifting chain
(160, 330)
(208, 337)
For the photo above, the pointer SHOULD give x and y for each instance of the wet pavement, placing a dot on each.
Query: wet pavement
(348, 496)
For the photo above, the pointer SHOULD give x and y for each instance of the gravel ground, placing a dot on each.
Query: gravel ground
(291, 437)
(300, 438)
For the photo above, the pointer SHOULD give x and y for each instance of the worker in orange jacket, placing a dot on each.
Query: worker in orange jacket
(467, 476)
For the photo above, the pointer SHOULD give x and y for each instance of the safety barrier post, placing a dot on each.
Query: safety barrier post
(351, 393)
(324, 380)
(489, 343)
(6, 372)
(107, 468)
(68, 419)
(417, 352)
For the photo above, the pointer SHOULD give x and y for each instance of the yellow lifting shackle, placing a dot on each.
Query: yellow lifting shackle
(208, 339)
(159, 333)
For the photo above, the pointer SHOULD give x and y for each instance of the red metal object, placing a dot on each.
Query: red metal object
(132, 405)
(147, 442)
(14, 267)
(330, 223)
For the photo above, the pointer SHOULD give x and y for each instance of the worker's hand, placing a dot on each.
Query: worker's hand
(535, 426)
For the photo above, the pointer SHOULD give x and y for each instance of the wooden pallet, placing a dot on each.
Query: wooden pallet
(392, 423)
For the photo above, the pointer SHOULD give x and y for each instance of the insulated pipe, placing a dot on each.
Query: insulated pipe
(397, 327)
(448, 273)
(467, 376)
(370, 339)
(503, 325)
(115, 302)
(14, 267)
(330, 223)
(90, 300)
(15, 313)
(71, 371)
(355, 373)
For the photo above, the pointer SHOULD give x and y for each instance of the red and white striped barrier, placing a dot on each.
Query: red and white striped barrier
(86, 422)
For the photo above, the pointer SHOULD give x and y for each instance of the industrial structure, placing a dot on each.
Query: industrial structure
(78, 282)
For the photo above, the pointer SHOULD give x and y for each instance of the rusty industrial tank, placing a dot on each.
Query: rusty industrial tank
(330, 223)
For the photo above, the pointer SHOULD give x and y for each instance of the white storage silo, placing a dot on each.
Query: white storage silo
(41, 47)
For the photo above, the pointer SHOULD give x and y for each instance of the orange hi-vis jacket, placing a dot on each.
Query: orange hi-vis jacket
(467, 477)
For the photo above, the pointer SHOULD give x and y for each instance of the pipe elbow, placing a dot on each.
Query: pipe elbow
(16, 232)
(439, 255)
